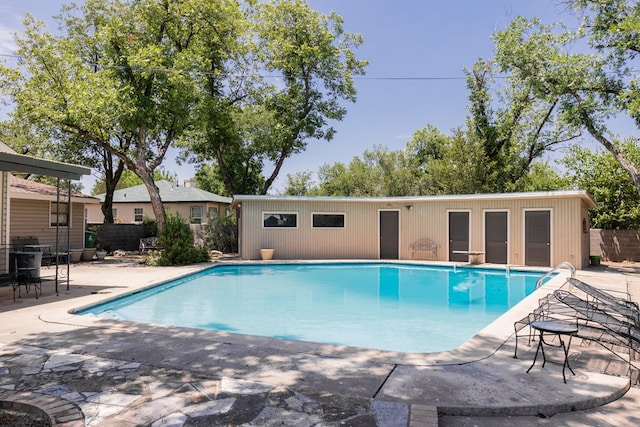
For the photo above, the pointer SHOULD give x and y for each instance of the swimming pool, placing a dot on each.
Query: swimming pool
(387, 306)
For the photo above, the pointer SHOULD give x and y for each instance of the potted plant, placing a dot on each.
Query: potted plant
(101, 253)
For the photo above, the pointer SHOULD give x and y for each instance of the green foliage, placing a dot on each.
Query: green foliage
(248, 124)
(121, 82)
(150, 226)
(541, 177)
(111, 83)
(208, 177)
(358, 179)
(431, 163)
(176, 239)
(462, 167)
(584, 88)
(512, 126)
(221, 234)
(599, 173)
(299, 184)
(130, 179)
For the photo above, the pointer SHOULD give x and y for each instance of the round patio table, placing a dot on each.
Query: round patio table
(559, 329)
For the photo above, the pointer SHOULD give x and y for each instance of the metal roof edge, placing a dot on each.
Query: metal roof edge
(13, 162)
(238, 199)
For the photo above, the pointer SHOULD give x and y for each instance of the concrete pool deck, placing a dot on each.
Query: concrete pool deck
(129, 374)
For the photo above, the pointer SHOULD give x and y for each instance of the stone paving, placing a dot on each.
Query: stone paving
(122, 393)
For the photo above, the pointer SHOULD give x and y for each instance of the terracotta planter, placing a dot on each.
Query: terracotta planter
(266, 254)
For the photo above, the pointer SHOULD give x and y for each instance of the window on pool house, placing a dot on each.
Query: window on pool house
(59, 214)
(279, 220)
(328, 220)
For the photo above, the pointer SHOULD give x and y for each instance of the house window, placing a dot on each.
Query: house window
(138, 214)
(59, 214)
(279, 220)
(328, 220)
(196, 215)
(114, 213)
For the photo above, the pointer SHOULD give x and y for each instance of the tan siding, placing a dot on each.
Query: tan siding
(422, 219)
(357, 240)
(31, 218)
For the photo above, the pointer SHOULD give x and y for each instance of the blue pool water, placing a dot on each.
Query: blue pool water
(408, 308)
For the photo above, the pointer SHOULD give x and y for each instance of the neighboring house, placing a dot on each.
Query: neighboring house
(533, 229)
(131, 205)
(10, 161)
(35, 208)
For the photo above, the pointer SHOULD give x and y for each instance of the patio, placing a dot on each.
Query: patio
(135, 374)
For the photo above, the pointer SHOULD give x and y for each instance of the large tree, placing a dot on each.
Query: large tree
(297, 70)
(588, 73)
(513, 125)
(46, 86)
(119, 80)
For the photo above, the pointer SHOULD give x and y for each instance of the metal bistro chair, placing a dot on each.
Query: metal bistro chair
(27, 272)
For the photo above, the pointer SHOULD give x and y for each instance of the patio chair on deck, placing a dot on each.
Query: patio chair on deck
(602, 326)
(26, 272)
(602, 299)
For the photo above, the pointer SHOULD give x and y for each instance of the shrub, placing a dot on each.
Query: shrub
(150, 226)
(221, 234)
(176, 239)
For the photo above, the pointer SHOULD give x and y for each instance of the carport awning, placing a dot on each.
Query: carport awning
(12, 162)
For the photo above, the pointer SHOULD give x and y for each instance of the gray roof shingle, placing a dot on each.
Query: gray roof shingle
(169, 192)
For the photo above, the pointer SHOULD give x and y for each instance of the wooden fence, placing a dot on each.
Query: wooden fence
(120, 236)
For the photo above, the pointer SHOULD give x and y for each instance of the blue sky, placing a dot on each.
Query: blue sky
(402, 39)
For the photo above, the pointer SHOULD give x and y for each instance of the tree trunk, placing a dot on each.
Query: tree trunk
(156, 201)
(111, 179)
(631, 169)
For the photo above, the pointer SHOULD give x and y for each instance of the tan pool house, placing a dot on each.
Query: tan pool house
(539, 229)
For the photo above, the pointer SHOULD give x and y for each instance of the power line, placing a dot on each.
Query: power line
(378, 78)
(381, 78)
